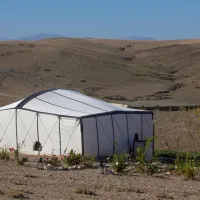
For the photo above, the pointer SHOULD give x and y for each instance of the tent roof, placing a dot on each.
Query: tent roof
(67, 103)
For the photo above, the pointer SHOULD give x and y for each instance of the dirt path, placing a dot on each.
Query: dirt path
(26, 182)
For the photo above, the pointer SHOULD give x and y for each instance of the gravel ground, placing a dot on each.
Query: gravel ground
(27, 182)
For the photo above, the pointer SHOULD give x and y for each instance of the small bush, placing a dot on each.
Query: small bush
(53, 161)
(4, 154)
(141, 157)
(143, 165)
(88, 161)
(151, 169)
(173, 154)
(187, 168)
(16, 152)
(20, 160)
(118, 162)
(72, 158)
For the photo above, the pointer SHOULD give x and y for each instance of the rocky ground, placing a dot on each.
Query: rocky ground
(27, 182)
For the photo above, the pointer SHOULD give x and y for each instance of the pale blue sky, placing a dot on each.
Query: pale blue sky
(161, 19)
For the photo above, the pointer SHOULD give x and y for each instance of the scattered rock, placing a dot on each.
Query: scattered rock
(165, 196)
(129, 58)
(47, 70)
(49, 167)
(157, 163)
(75, 167)
(81, 167)
(19, 196)
(19, 183)
(21, 44)
(30, 176)
(84, 191)
(31, 45)
(122, 48)
(1, 192)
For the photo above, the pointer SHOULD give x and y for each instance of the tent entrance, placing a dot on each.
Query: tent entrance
(136, 144)
(37, 146)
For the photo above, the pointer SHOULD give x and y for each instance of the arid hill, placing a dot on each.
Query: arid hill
(131, 72)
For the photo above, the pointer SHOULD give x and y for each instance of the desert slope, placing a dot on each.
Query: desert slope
(132, 72)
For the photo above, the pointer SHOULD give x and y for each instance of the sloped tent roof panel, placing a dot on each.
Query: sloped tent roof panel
(66, 103)
(12, 105)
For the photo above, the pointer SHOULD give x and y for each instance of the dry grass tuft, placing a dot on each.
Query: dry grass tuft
(139, 191)
(1, 192)
(165, 196)
(30, 176)
(19, 196)
(131, 189)
(84, 191)
(16, 194)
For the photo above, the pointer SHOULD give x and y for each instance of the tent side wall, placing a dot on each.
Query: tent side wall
(57, 135)
(102, 133)
(26, 130)
(8, 129)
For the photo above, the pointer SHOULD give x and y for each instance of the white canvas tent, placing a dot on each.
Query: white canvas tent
(61, 120)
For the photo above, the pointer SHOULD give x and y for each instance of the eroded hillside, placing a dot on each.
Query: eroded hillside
(132, 72)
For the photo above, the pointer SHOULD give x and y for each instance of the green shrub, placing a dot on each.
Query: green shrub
(143, 166)
(151, 169)
(88, 161)
(141, 156)
(179, 164)
(20, 160)
(189, 169)
(173, 154)
(16, 152)
(186, 167)
(53, 161)
(72, 158)
(118, 162)
(4, 154)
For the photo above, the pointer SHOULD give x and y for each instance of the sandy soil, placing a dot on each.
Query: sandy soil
(27, 182)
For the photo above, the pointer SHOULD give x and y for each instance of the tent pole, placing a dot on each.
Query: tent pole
(82, 137)
(97, 137)
(141, 127)
(59, 136)
(17, 145)
(127, 130)
(153, 133)
(37, 114)
(113, 135)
